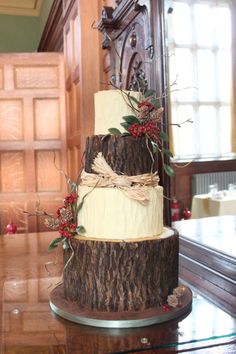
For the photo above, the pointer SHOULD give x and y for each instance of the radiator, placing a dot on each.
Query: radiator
(201, 181)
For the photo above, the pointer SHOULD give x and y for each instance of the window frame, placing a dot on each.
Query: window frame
(197, 103)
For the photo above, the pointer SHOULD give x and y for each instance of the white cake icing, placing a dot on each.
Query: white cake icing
(108, 213)
(110, 107)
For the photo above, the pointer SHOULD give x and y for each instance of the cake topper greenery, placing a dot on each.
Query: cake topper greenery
(147, 114)
(146, 121)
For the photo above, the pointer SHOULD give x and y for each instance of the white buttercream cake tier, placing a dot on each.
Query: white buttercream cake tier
(110, 107)
(110, 214)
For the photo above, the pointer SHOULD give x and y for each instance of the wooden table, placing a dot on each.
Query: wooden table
(28, 326)
(204, 206)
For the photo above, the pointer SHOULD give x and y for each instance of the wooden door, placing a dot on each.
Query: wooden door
(32, 137)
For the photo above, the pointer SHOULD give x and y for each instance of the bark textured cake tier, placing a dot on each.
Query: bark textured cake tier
(125, 155)
(121, 276)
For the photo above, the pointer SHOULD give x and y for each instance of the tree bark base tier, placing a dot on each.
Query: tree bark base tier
(115, 276)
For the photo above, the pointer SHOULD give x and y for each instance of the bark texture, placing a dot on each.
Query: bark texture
(121, 276)
(126, 155)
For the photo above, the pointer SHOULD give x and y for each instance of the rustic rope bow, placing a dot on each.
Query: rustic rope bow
(134, 187)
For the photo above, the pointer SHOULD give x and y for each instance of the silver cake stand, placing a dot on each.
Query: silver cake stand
(127, 319)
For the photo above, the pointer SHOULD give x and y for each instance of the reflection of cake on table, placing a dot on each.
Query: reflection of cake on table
(126, 263)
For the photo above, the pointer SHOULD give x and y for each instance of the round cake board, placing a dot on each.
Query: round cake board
(126, 319)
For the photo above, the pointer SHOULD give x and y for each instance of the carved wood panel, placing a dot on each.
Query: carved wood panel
(130, 43)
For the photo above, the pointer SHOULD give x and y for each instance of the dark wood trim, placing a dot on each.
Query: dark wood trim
(215, 294)
(219, 262)
(52, 37)
(159, 80)
(68, 12)
(223, 284)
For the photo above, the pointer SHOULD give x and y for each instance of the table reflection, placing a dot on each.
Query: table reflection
(30, 327)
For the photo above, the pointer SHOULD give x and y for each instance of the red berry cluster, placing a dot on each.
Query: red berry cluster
(136, 130)
(67, 230)
(149, 129)
(146, 104)
(67, 226)
(166, 308)
(152, 131)
(70, 199)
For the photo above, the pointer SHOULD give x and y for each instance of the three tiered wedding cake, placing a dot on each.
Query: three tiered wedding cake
(124, 267)
(133, 261)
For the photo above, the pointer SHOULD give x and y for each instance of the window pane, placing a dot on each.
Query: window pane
(184, 135)
(225, 129)
(206, 75)
(183, 75)
(209, 142)
(224, 72)
(204, 24)
(223, 29)
(182, 23)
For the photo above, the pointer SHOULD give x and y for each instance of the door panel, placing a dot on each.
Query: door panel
(32, 137)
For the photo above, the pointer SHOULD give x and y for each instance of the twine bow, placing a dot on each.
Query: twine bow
(135, 187)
